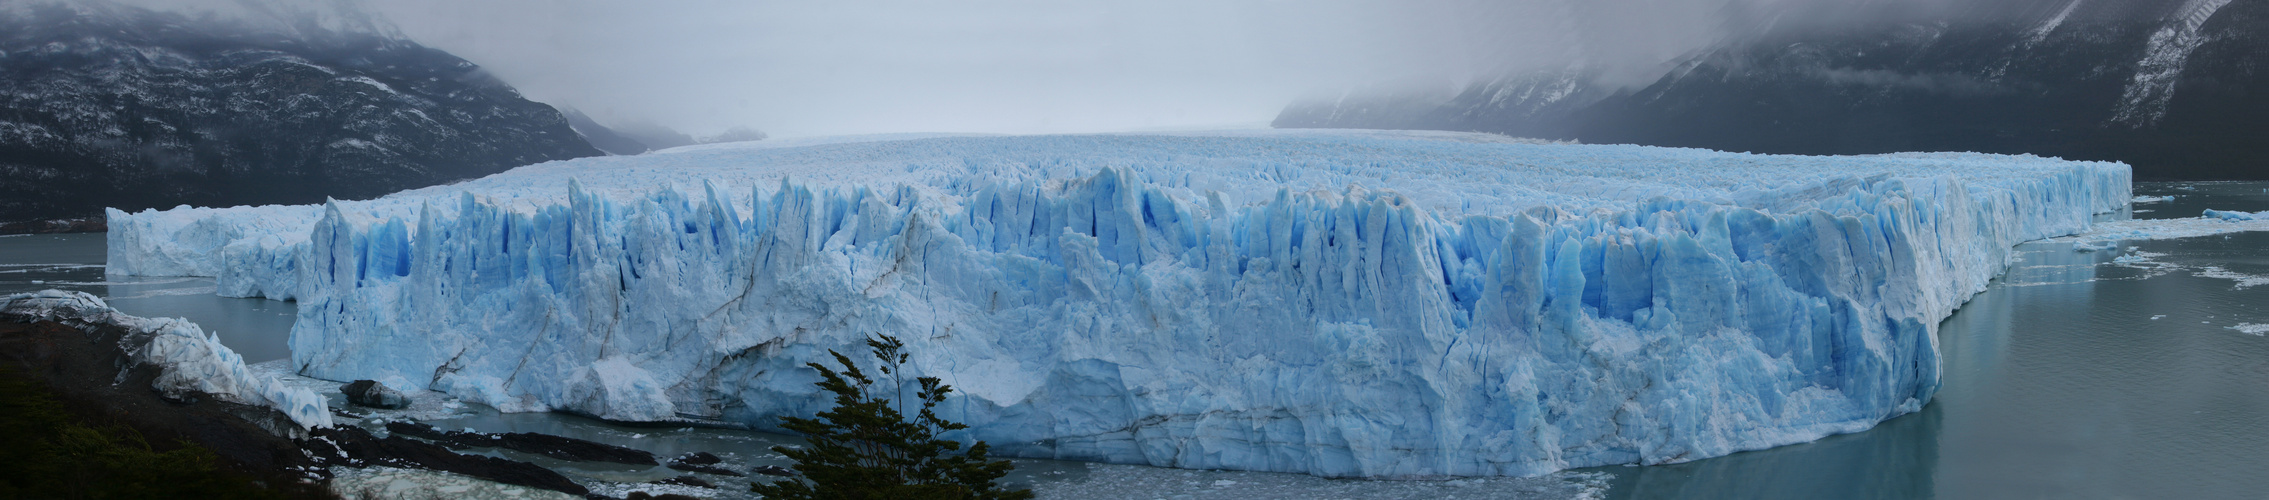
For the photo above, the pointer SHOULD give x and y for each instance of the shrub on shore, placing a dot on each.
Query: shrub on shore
(866, 447)
(52, 454)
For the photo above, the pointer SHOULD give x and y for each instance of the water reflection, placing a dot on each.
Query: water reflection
(1850, 466)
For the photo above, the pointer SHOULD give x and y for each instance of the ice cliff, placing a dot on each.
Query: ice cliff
(1349, 303)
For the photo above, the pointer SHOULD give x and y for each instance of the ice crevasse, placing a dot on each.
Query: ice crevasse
(1344, 303)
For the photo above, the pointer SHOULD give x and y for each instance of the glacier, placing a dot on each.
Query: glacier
(1338, 303)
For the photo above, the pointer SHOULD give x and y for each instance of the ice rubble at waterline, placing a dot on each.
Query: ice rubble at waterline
(1378, 304)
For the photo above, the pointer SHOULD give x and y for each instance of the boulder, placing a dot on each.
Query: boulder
(686, 481)
(372, 394)
(700, 458)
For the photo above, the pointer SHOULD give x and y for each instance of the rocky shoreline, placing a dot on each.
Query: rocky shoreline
(98, 363)
(81, 368)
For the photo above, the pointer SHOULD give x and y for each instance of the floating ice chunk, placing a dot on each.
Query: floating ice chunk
(2150, 199)
(2243, 280)
(2251, 328)
(615, 389)
(2214, 222)
(2230, 215)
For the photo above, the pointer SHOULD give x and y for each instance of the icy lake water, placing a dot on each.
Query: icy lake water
(2073, 376)
(255, 328)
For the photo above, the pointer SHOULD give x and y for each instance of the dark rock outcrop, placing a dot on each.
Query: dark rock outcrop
(686, 481)
(563, 448)
(84, 368)
(106, 105)
(375, 395)
(351, 446)
(703, 462)
(85, 361)
(708, 468)
(2171, 87)
(699, 458)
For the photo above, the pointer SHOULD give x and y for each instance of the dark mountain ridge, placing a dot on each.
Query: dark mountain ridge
(103, 105)
(2175, 88)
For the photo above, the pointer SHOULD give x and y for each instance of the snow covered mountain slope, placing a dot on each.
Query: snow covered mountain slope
(109, 105)
(1345, 303)
(2170, 86)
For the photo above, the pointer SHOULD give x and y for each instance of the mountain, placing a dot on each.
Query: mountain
(736, 134)
(2175, 88)
(601, 136)
(104, 105)
(655, 135)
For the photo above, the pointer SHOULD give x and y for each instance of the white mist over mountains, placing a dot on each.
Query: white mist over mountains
(806, 68)
(1014, 66)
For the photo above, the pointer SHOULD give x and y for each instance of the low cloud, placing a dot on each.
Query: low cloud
(1026, 66)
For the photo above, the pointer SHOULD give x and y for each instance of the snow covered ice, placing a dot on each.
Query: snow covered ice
(1340, 303)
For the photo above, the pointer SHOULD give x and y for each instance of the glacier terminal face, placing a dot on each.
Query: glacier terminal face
(1341, 303)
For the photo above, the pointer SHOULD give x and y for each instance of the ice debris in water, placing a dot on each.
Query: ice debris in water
(1342, 303)
(2213, 222)
(2231, 215)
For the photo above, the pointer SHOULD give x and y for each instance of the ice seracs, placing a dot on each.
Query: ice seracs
(1345, 303)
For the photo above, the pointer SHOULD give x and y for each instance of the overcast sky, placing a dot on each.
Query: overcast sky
(813, 67)
(816, 68)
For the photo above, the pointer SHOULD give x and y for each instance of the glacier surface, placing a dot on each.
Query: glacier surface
(1340, 303)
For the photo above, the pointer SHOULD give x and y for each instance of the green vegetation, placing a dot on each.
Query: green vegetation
(865, 448)
(49, 454)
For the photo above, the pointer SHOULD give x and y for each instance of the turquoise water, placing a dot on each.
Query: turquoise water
(2071, 377)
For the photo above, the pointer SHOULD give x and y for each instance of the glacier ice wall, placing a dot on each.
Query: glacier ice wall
(1337, 303)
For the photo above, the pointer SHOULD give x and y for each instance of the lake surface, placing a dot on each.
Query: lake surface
(255, 328)
(2072, 376)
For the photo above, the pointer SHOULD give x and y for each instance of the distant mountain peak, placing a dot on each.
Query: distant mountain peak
(105, 104)
(2171, 87)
